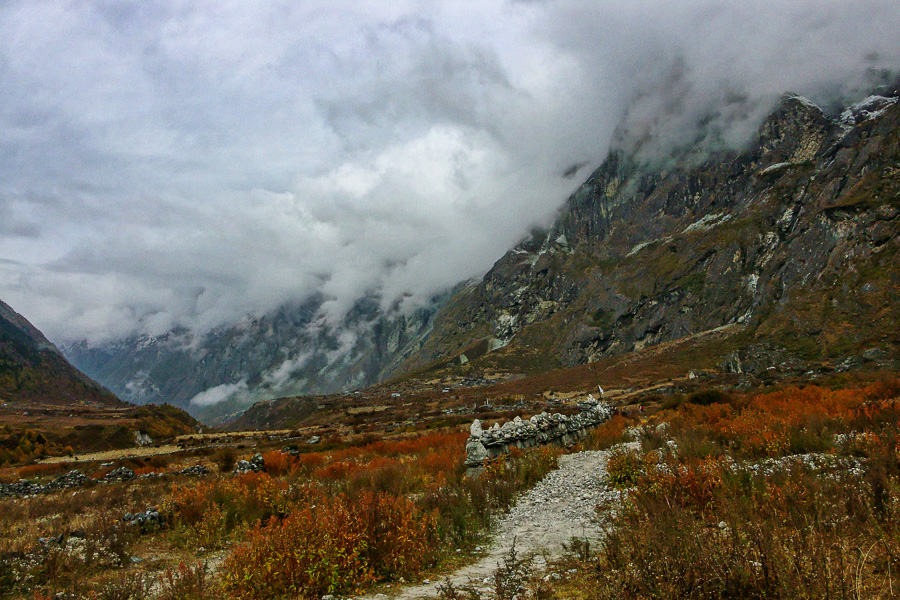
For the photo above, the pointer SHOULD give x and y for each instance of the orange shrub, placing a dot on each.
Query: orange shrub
(792, 420)
(694, 484)
(190, 503)
(397, 534)
(384, 474)
(434, 442)
(309, 462)
(102, 473)
(314, 551)
(329, 547)
(193, 508)
(440, 464)
(279, 463)
(607, 434)
(147, 469)
(336, 470)
(43, 469)
(254, 497)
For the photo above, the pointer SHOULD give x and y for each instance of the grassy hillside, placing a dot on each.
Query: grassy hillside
(32, 370)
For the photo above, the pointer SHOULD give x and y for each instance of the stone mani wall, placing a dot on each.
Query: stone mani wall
(561, 430)
(75, 479)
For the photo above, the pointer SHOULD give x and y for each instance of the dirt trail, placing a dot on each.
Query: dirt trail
(113, 454)
(551, 513)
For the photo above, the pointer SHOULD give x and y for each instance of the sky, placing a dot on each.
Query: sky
(186, 164)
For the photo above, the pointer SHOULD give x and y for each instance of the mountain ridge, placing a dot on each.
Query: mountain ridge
(33, 369)
(642, 253)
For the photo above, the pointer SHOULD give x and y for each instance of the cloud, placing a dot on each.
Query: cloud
(166, 164)
(218, 394)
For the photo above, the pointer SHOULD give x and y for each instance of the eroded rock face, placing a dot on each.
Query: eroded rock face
(539, 430)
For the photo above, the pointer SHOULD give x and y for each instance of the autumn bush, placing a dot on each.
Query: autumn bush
(187, 582)
(344, 518)
(43, 470)
(711, 522)
(608, 434)
(798, 535)
(331, 546)
(147, 469)
(624, 468)
(198, 519)
(792, 420)
(332, 518)
(279, 463)
(225, 458)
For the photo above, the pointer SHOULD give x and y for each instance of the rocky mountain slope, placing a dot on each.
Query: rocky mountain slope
(791, 245)
(33, 370)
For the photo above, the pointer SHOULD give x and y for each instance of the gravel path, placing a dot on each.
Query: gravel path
(559, 507)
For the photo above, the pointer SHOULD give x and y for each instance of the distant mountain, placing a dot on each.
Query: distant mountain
(290, 351)
(33, 370)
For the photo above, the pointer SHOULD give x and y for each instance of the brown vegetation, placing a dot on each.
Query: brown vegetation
(715, 520)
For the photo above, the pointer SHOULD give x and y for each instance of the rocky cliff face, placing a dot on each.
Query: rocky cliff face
(792, 242)
(289, 352)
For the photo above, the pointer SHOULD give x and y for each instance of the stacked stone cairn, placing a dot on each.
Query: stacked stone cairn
(485, 445)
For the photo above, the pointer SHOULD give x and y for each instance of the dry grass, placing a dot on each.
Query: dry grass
(374, 511)
(700, 525)
(111, 455)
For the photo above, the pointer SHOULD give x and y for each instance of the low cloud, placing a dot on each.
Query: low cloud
(217, 394)
(164, 165)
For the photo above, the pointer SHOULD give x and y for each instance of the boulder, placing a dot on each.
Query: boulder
(476, 453)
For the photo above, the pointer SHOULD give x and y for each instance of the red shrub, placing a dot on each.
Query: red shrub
(336, 470)
(147, 469)
(328, 547)
(190, 503)
(279, 463)
(43, 469)
(309, 462)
